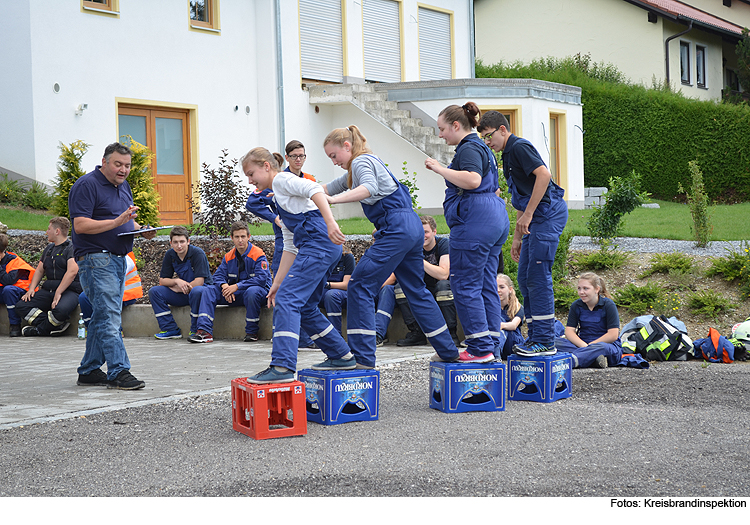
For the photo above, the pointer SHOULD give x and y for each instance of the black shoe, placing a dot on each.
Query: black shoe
(30, 331)
(93, 378)
(251, 338)
(456, 340)
(15, 330)
(379, 341)
(59, 330)
(126, 381)
(412, 339)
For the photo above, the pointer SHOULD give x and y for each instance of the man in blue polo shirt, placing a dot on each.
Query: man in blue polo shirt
(101, 207)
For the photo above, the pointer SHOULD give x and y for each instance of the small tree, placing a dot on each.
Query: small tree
(697, 199)
(68, 172)
(743, 60)
(141, 182)
(410, 181)
(623, 197)
(221, 197)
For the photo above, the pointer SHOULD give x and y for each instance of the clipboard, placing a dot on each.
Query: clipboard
(144, 230)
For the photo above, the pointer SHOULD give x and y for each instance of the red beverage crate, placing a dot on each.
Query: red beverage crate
(268, 411)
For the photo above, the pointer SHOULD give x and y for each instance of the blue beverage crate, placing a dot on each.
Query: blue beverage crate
(464, 387)
(335, 397)
(543, 379)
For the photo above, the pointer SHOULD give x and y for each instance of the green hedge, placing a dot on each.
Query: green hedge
(652, 131)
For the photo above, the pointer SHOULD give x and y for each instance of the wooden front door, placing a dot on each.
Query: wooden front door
(165, 132)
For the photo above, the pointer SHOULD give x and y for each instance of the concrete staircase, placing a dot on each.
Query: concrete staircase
(376, 104)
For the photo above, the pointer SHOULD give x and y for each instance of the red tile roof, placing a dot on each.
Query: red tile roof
(687, 12)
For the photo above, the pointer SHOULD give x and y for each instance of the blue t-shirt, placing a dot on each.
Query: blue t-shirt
(344, 267)
(520, 159)
(194, 265)
(592, 324)
(94, 197)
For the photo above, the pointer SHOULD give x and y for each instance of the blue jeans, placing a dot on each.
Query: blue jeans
(102, 277)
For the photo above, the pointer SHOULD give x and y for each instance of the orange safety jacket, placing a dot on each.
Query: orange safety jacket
(20, 264)
(133, 288)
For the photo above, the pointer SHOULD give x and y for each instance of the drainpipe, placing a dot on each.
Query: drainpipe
(472, 40)
(280, 79)
(666, 46)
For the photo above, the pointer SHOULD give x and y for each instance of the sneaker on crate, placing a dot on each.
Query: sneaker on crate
(466, 357)
(534, 349)
(126, 381)
(169, 334)
(364, 367)
(201, 336)
(271, 375)
(336, 364)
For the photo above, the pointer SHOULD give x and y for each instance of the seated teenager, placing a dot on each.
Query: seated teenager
(242, 279)
(48, 308)
(184, 272)
(15, 278)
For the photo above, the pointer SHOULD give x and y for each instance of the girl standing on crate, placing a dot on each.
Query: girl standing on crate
(479, 227)
(399, 238)
(312, 249)
(592, 334)
(512, 316)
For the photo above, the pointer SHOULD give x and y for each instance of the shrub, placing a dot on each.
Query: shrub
(38, 197)
(697, 199)
(68, 172)
(565, 295)
(638, 299)
(624, 196)
(221, 197)
(141, 182)
(11, 191)
(735, 266)
(560, 264)
(709, 303)
(607, 258)
(675, 263)
(667, 304)
(410, 181)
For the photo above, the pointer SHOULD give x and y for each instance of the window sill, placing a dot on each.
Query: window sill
(203, 29)
(102, 11)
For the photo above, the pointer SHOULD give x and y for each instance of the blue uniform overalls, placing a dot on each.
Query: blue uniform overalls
(161, 297)
(479, 227)
(397, 249)
(537, 252)
(299, 295)
(260, 204)
(592, 324)
(253, 280)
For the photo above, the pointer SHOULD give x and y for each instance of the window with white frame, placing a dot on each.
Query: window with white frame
(321, 40)
(700, 66)
(685, 62)
(381, 28)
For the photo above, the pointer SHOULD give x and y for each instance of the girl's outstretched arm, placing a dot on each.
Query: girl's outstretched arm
(334, 232)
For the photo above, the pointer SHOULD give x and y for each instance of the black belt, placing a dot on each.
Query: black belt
(81, 257)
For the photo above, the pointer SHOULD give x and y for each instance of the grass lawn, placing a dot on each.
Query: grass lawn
(20, 219)
(670, 221)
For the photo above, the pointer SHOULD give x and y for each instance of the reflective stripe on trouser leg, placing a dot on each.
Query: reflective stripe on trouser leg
(297, 306)
(334, 301)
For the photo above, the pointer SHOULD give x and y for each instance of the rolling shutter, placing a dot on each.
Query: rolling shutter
(434, 45)
(321, 48)
(382, 40)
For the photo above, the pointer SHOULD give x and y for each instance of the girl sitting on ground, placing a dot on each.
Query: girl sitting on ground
(512, 315)
(592, 333)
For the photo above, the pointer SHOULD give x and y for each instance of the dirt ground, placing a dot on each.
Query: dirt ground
(152, 252)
